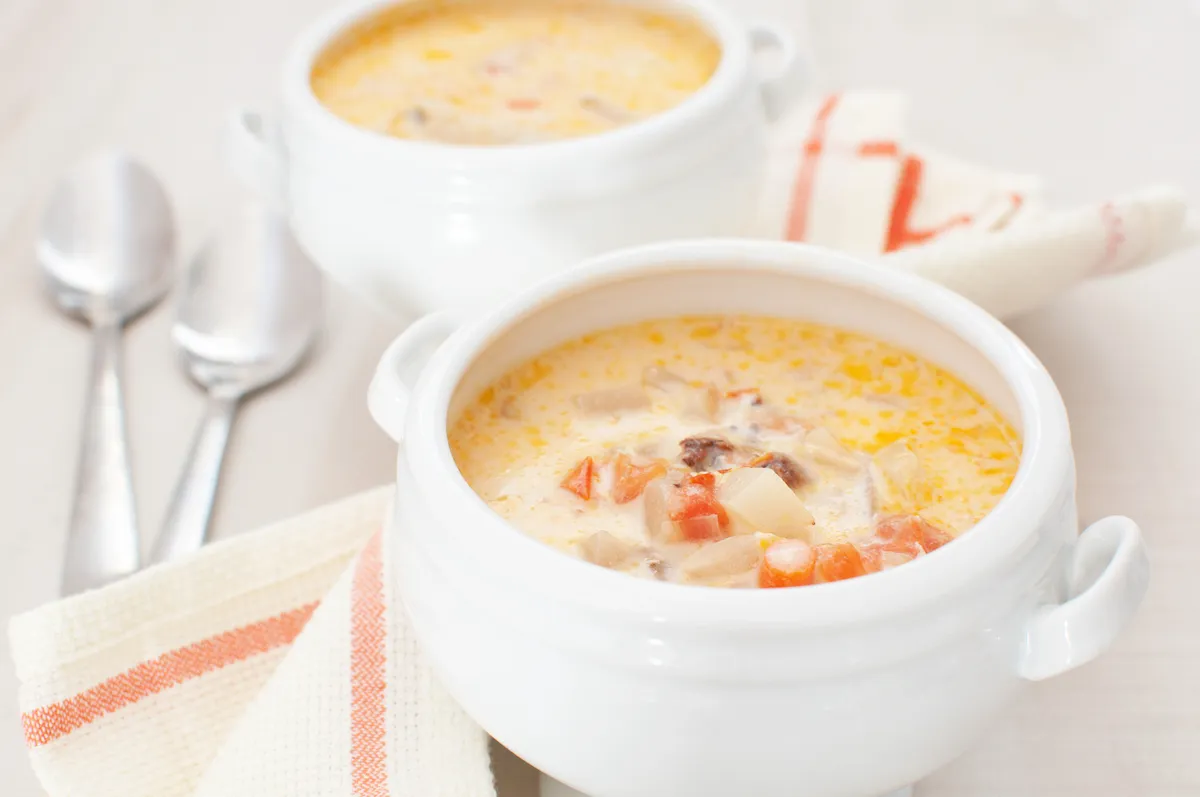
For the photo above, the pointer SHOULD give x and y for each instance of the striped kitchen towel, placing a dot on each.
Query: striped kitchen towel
(279, 664)
(193, 678)
(844, 175)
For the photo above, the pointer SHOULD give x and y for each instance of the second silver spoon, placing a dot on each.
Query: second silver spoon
(249, 311)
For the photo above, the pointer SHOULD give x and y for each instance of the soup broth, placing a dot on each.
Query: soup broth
(488, 72)
(736, 451)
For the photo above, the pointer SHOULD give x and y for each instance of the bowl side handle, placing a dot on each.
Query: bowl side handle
(402, 361)
(253, 150)
(1107, 575)
(785, 82)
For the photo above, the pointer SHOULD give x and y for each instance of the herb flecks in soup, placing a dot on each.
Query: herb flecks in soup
(736, 451)
(512, 71)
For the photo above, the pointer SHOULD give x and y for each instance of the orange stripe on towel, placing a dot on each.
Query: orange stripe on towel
(899, 234)
(44, 725)
(871, 149)
(803, 187)
(368, 676)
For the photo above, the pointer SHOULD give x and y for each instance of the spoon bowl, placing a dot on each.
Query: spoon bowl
(107, 251)
(248, 314)
(250, 307)
(107, 243)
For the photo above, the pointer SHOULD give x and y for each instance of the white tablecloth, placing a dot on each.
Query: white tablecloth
(1087, 94)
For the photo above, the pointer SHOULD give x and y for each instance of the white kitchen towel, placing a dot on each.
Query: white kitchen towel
(855, 184)
(194, 677)
(278, 664)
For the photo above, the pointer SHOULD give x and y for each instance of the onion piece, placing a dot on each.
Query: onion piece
(703, 402)
(613, 401)
(606, 110)
(606, 550)
(890, 559)
(826, 449)
(901, 470)
(759, 500)
(656, 505)
(693, 400)
(659, 377)
(844, 506)
(729, 557)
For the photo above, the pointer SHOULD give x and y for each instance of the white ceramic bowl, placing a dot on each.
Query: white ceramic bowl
(413, 225)
(620, 686)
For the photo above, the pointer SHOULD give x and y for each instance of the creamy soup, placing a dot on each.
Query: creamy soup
(512, 71)
(736, 451)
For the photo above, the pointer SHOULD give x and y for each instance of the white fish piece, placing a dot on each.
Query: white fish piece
(843, 507)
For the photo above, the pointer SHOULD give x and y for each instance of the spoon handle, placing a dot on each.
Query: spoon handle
(186, 525)
(102, 539)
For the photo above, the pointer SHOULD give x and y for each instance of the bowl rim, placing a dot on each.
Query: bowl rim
(670, 125)
(999, 539)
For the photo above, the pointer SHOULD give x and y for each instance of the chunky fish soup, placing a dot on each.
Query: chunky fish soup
(488, 72)
(736, 451)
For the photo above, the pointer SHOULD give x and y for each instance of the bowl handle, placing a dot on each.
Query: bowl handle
(1107, 574)
(784, 83)
(387, 397)
(253, 149)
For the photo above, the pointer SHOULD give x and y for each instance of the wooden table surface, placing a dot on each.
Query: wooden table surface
(1097, 96)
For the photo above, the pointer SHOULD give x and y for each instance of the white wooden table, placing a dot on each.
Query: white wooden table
(1097, 96)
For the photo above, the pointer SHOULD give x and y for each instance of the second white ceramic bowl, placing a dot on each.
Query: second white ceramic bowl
(416, 226)
(621, 687)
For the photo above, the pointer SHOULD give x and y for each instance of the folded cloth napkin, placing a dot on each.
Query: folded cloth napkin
(279, 663)
(855, 184)
(194, 677)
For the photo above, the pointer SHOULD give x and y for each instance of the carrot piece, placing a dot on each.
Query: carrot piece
(746, 391)
(872, 558)
(629, 480)
(933, 538)
(579, 480)
(697, 496)
(910, 534)
(787, 563)
(700, 527)
(838, 562)
(524, 104)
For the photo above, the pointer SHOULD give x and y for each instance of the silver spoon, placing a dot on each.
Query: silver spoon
(107, 247)
(248, 313)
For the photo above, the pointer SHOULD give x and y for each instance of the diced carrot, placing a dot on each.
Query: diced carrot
(910, 534)
(787, 563)
(579, 480)
(876, 558)
(524, 104)
(933, 538)
(696, 497)
(754, 392)
(838, 562)
(629, 480)
(701, 527)
(872, 558)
